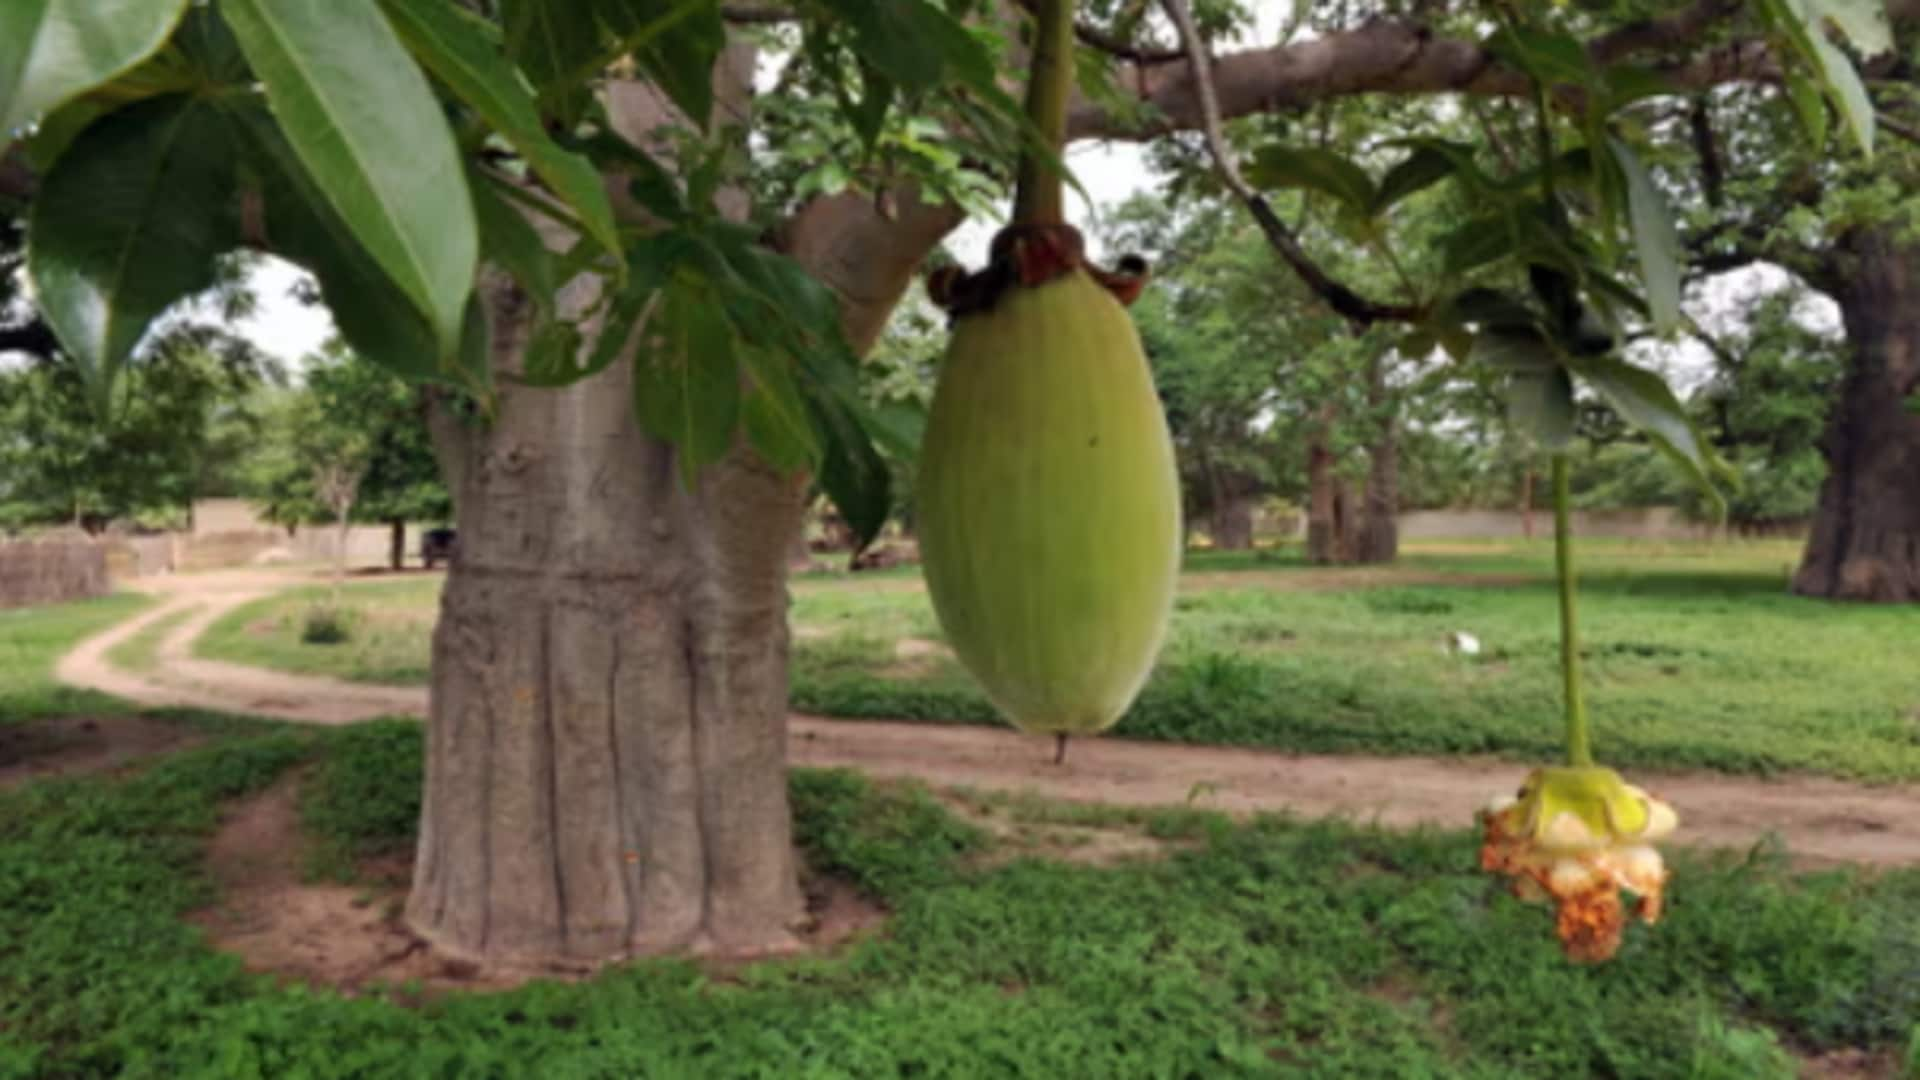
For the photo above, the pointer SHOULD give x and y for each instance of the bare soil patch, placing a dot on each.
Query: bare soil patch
(74, 745)
(1017, 838)
(351, 939)
(1821, 820)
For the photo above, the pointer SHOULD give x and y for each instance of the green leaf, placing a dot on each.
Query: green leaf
(1540, 403)
(914, 43)
(510, 240)
(1848, 92)
(129, 221)
(675, 42)
(52, 50)
(376, 319)
(1629, 83)
(1480, 241)
(1313, 169)
(1644, 400)
(1864, 22)
(775, 414)
(852, 472)
(463, 51)
(1548, 56)
(686, 379)
(1809, 105)
(366, 126)
(551, 42)
(869, 114)
(1801, 23)
(1516, 349)
(1420, 170)
(1654, 238)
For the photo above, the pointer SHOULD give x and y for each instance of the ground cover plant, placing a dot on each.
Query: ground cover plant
(1696, 657)
(1272, 948)
(389, 631)
(32, 638)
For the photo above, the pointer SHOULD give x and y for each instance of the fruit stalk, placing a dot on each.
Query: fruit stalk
(1038, 198)
(1578, 752)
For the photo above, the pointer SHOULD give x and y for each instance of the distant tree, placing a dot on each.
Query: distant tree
(351, 444)
(142, 455)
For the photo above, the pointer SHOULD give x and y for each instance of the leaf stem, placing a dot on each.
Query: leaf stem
(1039, 198)
(1578, 752)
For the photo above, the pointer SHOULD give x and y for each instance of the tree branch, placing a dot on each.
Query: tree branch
(1397, 56)
(1341, 299)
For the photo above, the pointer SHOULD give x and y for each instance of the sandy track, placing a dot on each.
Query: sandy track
(1820, 819)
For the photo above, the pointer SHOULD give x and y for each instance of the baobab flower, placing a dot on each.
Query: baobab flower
(1580, 835)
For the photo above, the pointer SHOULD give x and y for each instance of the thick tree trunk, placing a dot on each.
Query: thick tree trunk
(1378, 536)
(397, 544)
(607, 748)
(1865, 543)
(1526, 502)
(606, 751)
(1229, 508)
(1323, 527)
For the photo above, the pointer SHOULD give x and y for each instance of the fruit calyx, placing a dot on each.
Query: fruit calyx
(1030, 255)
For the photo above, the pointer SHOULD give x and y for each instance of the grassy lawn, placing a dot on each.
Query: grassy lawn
(31, 639)
(1271, 948)
(390, 627)
(1696, 657)
(1267, 949)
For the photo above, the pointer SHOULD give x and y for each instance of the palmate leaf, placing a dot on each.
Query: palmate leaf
(913, 43)
(1540, 403)
(365, 124)
(375, 318)
(1803, 24)
(674, 41)
(129, 221)
(463, 51)
(1654, 238)
(1313, 169)
(52, 50)
(686, 377)
(1644, 400)
(774, 413)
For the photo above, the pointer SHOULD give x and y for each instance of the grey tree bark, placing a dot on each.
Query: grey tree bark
(1377, 538)
(1865, 543)
(606, 755)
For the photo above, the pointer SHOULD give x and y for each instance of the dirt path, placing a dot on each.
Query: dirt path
(1820, 819)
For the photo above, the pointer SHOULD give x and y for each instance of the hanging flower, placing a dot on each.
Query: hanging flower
(1579, 836)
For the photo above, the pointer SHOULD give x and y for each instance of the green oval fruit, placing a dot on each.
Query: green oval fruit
(1048, 506)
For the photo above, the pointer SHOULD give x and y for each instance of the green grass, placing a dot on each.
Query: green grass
(389, 625)
(32, 639)
(141, 651)
(1696, 657)
(1267, 949)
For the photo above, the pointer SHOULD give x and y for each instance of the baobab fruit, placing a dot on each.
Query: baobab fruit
(1048, 506)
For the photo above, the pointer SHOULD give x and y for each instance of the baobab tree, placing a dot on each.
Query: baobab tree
(554, 209)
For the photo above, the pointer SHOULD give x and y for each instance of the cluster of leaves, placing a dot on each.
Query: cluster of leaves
(389, 147)
(355, 804)
(1268, 948)
(166, 433)
(352, 415)
(1555, 222)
